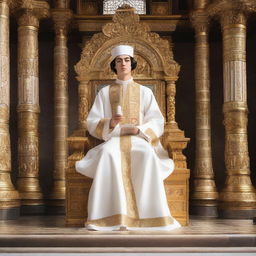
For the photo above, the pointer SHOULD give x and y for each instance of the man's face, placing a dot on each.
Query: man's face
(123, 65)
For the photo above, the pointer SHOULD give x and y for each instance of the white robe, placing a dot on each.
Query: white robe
(127, 171)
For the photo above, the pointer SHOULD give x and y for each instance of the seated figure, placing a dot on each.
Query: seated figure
(129, 167)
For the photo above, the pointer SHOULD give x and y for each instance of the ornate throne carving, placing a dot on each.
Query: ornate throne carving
(157, 70)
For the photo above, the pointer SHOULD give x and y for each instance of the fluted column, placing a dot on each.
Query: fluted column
(204, 196)
(28, 106)
(9, 196)
(237, 198)
(61, 18)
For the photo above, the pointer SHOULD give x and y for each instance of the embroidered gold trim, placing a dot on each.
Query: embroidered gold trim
(125, 146)
(153, 138)
(120, 219)
(130, 103)
(99, 128)
(131, 109)
(115, 97)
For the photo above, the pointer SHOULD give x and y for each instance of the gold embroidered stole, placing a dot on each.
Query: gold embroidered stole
(130, 103)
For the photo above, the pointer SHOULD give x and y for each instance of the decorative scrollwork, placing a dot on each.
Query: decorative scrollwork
(127, 28)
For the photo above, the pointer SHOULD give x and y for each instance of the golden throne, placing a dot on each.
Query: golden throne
(157, 70)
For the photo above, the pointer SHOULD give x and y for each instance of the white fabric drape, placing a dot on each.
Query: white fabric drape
(127, 171)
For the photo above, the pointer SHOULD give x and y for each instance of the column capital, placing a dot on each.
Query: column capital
(62, 3)
(61, 19)
(200, 4)
(10, 3)
(200, 20)
(221, 7)
(29, 12)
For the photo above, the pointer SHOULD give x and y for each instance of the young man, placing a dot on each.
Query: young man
(127, 169)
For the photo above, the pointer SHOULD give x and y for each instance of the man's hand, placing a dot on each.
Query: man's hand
(115, 120)
(133, 130)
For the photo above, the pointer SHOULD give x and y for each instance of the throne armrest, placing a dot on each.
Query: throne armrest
(175, 142)
(78, 145)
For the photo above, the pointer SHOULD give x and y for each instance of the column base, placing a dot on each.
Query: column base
(55, 210)
(204, 211)
(10, 214)
(32, 210)
(237, 214)
(56, 206)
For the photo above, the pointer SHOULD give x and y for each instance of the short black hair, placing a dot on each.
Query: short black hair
(113, 64)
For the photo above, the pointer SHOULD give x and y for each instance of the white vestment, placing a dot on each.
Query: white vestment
(127, 171)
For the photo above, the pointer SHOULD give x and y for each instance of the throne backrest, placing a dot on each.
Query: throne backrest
(153, 54)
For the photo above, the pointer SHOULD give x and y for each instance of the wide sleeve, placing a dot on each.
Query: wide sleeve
(97, 120)
(152, 126)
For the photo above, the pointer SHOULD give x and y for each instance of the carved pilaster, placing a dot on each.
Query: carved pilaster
(28, 105)
(171, 93)
(238, 197)
(61, 19)
(83, 110)
(174, 139)
(9, 197)
(204, 196)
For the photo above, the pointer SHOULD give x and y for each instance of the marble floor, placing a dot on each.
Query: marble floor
(48, 234)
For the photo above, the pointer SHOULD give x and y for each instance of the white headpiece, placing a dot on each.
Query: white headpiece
(122, 50)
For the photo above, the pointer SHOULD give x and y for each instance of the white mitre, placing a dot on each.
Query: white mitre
(121, 50)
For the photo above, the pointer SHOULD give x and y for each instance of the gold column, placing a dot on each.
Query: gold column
(205, 195)
(238, 197)
(28, 106)
(61, 18)
(9, 196)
